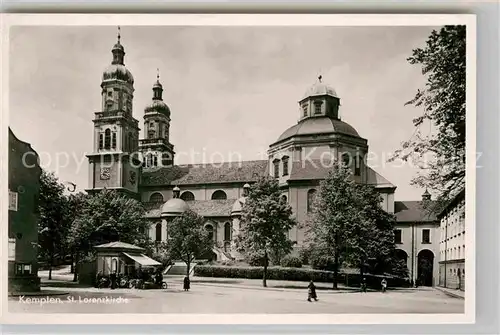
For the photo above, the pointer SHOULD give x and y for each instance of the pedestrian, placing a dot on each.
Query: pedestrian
(112, 277)
(384, 284)
(187, 283)
(311, 292)
(363, 285)
(98, 279)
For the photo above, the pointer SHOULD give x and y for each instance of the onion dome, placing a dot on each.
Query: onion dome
(117, 69)
(157, 105)
(175, 206)
(320, 89)
(117, 72)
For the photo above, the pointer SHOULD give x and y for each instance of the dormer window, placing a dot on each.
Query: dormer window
(285, 165)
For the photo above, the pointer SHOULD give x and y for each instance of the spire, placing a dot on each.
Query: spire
(118, 50)
(157, 87)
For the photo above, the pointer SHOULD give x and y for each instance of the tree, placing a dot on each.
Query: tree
(105, 217)
(265, 222)
(441, 153)
(53, 225)
(333, 213)
(371, 237)
(348, 226)
(187, 238)
(75, 204)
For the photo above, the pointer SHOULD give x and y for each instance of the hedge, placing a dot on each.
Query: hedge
(254, 272)
(292, 274)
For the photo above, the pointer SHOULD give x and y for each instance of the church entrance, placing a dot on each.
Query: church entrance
(425, 267)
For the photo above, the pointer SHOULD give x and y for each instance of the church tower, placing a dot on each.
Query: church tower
(156, 148)
(114, 161)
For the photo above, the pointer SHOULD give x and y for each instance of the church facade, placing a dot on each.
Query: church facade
(299, 159)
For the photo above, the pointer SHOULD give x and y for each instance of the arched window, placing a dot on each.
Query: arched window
(158, 232)
(113, 141)
(311, 194)
(155, 160)
(219, 195)
(187, 196)
(227, 231)
(210, 229)
(101, 141)
(107, 139)
(346, 159)
(156, 197)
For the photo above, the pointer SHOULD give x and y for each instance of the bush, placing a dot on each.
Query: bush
(290, 261)
(255, 258)
(304, 255)
(294, 274)
(320, 262)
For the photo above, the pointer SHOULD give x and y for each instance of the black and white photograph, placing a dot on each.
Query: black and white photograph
(184, 165)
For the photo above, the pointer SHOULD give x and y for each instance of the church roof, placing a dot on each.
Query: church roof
(245, 171)
(318, 125)
(315, 170)
(413, 211)
(206, 208)
(119, 245)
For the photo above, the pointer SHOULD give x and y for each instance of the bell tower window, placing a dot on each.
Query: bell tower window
(107, 139)
(101, 141)
(113, 141)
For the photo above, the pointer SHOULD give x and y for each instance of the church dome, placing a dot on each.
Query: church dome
(319, 125)
(117, 72)
(174, 207)
(319, 89)
(158, 106)
(238, 206)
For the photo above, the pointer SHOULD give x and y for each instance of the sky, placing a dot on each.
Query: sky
(231, 90)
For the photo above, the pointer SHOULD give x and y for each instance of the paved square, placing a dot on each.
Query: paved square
(215, 298)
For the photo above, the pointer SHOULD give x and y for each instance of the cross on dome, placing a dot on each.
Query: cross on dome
(119, 36)
(320, 77)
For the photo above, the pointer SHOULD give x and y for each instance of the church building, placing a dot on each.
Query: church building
(145, 168)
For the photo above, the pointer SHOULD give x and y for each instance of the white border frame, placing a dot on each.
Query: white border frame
(8, 20)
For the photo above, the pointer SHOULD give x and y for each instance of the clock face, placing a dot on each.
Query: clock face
(132, 177)
(105, 173)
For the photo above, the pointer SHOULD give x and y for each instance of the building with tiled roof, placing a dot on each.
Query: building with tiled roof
(299, 159)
